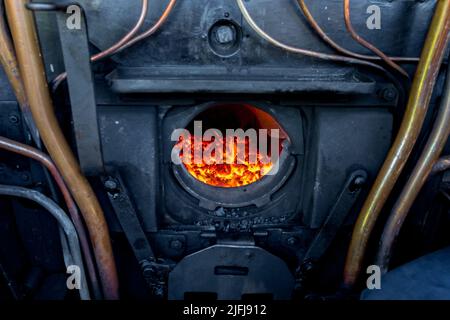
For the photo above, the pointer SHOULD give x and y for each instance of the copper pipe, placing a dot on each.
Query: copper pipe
(365, 43)
(163, 18)
(309, 53)
(23, 29)
(35, 154)
(115, 47)
(443, 164)
(422, 88)
(430, 156)
(153, 29)
(9, 62)
(313, 23)
(126, 38)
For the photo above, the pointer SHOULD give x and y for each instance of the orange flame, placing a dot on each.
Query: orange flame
(229, 173)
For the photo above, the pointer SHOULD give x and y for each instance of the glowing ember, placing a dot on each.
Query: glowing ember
(229, 173)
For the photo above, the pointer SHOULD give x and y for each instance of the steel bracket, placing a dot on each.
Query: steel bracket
(77, 62)
(155, 271)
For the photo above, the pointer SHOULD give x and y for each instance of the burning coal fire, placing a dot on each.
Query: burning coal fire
(224, 170)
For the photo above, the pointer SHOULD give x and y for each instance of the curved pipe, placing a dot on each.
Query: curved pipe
(126, 38)
(9, 62)
(365, 43)
(424, 81)
(64, 222)
(115, 47)
(430, 156)
(314, 54)
(60, 78)
(152, 30)
(313, 23)
(309, 53)
(22, 26)
(30, 152)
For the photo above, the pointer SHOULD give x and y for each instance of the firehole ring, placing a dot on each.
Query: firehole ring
(257, 193)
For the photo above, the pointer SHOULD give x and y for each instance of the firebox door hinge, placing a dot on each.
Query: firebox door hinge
(155, 271)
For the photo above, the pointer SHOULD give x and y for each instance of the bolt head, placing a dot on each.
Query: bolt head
(389, 94)
(292, 241)
(13, 119)
(357, 184)
(225, 34)
(359, 181)
(176, 244)
(110, 184)
(308, 266)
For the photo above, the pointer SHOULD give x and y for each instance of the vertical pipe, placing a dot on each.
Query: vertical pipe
(9, 63)
(421, 91)
(367, 44)
(31, 66)
(430, 155)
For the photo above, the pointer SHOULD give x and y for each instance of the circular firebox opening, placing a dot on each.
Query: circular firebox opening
(233, 185)
(232, 146)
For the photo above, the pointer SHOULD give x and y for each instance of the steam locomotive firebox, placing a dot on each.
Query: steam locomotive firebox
(226, 151)
(235, 196)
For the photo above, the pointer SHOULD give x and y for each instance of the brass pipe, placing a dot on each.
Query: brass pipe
(367, 44)
(443, 164)
(9, 63)
(31, 66)
(430, 155)
(421, 91)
